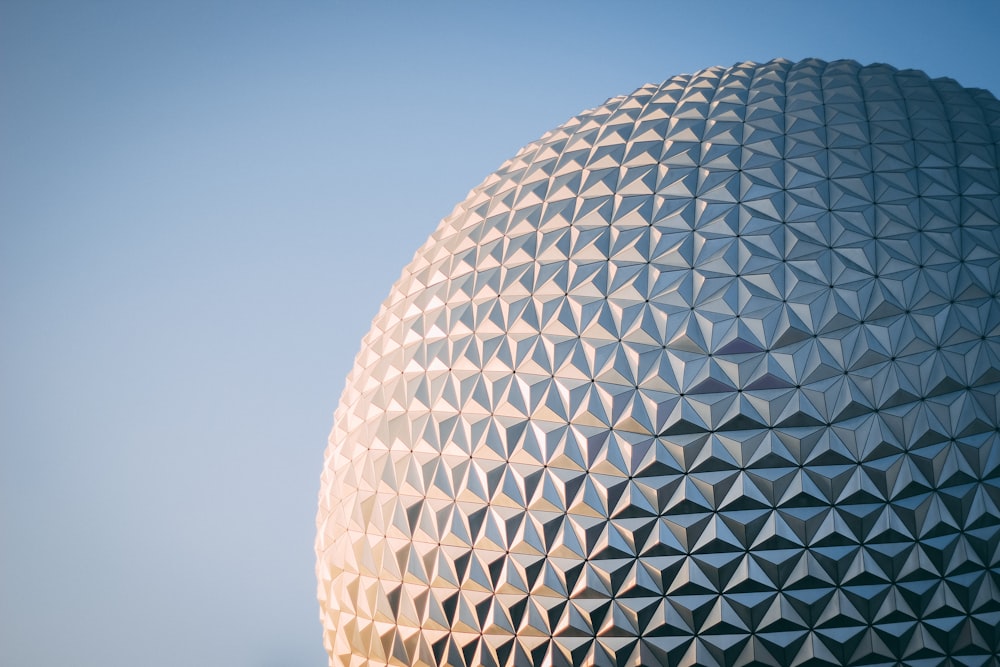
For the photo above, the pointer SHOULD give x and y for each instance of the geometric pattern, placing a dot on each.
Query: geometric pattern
(708, 375)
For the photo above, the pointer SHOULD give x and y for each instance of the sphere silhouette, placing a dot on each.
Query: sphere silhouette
(708, 375)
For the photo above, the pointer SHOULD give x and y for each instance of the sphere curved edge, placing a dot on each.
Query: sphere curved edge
(707, 375)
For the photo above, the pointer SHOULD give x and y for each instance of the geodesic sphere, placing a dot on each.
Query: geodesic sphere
(707, 375)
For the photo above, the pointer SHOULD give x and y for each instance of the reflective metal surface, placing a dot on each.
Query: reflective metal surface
(707, 375)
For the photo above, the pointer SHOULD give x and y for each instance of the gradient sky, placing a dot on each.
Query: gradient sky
(202, 205)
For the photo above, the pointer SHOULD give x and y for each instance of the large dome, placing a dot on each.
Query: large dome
(709, 374)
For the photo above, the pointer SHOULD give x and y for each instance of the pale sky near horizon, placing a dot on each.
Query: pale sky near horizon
(202, 205)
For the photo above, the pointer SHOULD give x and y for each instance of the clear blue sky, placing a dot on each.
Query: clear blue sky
(202, 205)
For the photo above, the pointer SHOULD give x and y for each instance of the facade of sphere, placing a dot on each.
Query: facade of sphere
(708, 375)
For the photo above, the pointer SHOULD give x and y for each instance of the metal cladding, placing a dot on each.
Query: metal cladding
(708, 375)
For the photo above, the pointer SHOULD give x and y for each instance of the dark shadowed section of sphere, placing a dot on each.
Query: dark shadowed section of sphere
(708, 375)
